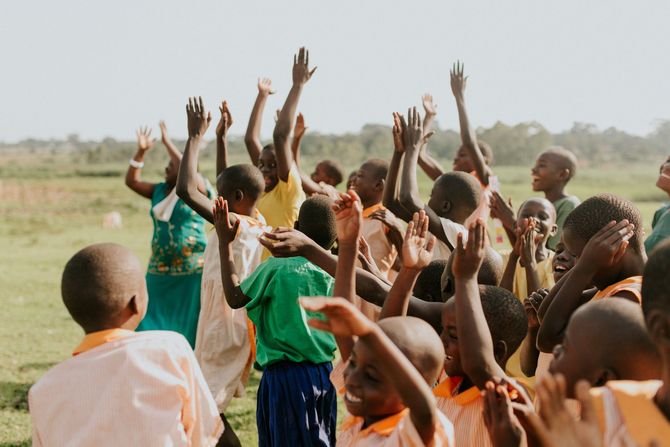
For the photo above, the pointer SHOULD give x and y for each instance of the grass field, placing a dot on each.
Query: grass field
(49, 211)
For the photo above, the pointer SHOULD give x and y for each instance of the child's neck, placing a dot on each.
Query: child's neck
(555, 193)
(369, 420)
(371, 202)
(542, 252)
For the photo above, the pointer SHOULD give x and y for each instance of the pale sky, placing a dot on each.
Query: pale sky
(103, 68)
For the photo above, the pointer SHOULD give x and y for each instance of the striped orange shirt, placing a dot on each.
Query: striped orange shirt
(125, 388)
(464, 410)
(632, 285)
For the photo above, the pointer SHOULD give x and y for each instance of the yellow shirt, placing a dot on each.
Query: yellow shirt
(125, 388)
(281, 205)
(545, 273)
(628, 415)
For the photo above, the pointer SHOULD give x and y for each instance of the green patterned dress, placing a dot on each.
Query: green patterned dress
(175, 269)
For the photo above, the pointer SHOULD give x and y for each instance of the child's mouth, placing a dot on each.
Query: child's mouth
(560, 268)
(351, 398)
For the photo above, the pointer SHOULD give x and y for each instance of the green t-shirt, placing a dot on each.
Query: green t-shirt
(563, 207)
(660, 228)
(282, 332)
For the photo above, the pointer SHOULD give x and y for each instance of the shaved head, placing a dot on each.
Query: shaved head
(563, 159)
(98, 284)
(419, 342)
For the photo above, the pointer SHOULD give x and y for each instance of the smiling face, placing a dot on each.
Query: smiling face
(663, 181)
(563, 261)
(267, 164)
(369, 392)
(544, 215)
(462, 161)
(449, 337)
(547, 172)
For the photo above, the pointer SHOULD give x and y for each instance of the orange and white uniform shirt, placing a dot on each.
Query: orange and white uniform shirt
(631, 285)
(225, 344)
(125, 388)
(628, 415)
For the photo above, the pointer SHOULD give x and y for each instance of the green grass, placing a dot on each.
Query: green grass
(49, 211)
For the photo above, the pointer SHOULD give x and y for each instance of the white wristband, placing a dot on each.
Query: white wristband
(136, 164)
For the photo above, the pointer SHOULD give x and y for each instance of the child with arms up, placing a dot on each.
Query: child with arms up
(225, 342)
(120, 387)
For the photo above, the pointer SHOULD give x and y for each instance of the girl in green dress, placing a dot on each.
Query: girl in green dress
(177, 245)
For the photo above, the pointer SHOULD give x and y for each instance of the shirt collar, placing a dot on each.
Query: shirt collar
(446, 389)
(95, 339)
(367, 212)
(384, 427)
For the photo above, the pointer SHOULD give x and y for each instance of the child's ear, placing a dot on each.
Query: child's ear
(239, 195)
(564, 174)
(553, 230)
(500, 352)
(379, 186)
(133, 305)
(446, 207)
(605, 376)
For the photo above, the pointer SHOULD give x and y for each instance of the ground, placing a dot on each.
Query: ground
(48, 212)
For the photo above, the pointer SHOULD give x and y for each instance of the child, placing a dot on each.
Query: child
(283, 185)
(529, 266)
(454, 196)
(605, 234)
(225, 342)
(328, 172)
(296, 402)
(660, 223)
(120, 387)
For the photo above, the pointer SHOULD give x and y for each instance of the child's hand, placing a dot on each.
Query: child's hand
(606, 247)
(225, 122)
(555, 426)
(458, 81)
(198, 120)
(417, 250)
(144, 140)
(299, 128)
(286, 242)
(301, 73)
(348, 217)
(501, 209)
(265, 87)
(520, 231)
(365, 258)
(529, 242)
(164, 132)
(397, 133)
(412, 130)
(502, 424)
(342, 317)
(389, 220)
(428, 106)
(532, 305)
(468, 259)
(224, 230)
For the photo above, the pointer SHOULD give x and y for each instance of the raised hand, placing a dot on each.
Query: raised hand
(299, 128)
(144, 140)
(428, 105)
(468, 258)
(301, 72)
(286, 242)
(412, 131)
(503, 210)
(198, 120)
(164, 132)
(417, 249)
(225, 122)
(224, 230)
(365, 258)
(606, 247)
(388, 219)
(342, 317)
(532, 304)
(265, 87)
(397, 133)
(348, 217)
(502, 424)
(529, 241)
(458, 81)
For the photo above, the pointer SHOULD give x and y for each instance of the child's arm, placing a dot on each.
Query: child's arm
(252, 139)
(602, 251)
(468, 135)
(409, 195)
(393, 229)
(429, 165)
(529, 243)
(187, 180)
(474, 337)
(390, 198)
(172, 150)
(529, 352)
(507, 281)
(226, 233)
(308, 185)
(417, 253)
(348, 222)
(134, 173)
(222, 138)
(280, 136)
(345, 320)
(505, 213)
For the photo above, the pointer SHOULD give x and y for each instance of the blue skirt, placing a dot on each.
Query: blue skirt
(297, 405)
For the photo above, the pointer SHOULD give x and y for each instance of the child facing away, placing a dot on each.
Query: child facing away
(605, 234)
(120, 387)
(225, 345)
(454, 197)
(283, 194)
(296, 403)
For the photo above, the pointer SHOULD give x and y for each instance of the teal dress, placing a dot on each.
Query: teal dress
(660, 228)
(175, 269)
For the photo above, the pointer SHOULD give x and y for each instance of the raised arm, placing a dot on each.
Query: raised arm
(409, 194)
(226, 234)
(222, 138)
(528, 351)
(390, 198)
(188, 178)
(280, 136)
(345, 320)
(417, 254)
(134, 172)
(172, 150)
(429, 165)
(252, 139)
(474, 337)
(603, 250)
(308, 185)
(468, 135)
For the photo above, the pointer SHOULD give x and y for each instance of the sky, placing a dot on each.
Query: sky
(102, 68)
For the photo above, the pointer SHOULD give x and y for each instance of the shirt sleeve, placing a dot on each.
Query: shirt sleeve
(256, 286)
(451, 230)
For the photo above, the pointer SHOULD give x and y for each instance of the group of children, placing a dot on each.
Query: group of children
(400, 308)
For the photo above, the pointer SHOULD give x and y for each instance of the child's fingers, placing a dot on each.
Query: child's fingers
(314, 304)
(415, 220)
(319, 324)
(409, 231)
(424, 224)
(584, 397)
(431, 244)
(620, 252)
